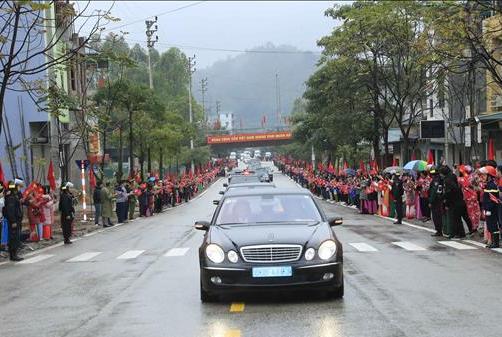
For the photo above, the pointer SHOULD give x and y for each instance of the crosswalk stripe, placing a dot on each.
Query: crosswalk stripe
(131, 254)
(408, 245)
(475, 243)
(498, 250)
(36, 259)
(237, 307)
(84, 257)
(363, 247)
(456, 245)
(232, 333)
(176, 252)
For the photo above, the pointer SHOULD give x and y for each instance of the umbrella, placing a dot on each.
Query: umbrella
(350, 172)
(393, 169)
(416, 165)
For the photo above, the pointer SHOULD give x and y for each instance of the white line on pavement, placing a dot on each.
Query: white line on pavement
(36, 259)
(498, 250)
(475, 243)
(84, 257)
(409, 224)
(408, 246)
(456, 245)
(131, 254)
(363, 247)
(176, 252)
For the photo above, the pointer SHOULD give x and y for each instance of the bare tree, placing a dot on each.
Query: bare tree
(26, 47)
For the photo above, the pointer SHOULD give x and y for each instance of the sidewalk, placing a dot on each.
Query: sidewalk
(415, 223)
(81, 228)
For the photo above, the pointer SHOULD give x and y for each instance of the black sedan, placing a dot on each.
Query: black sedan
(269, 239)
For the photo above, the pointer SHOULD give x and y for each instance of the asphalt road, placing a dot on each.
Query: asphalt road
(141, 279)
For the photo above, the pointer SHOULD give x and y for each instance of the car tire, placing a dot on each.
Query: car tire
(206, 296)
(337, 292)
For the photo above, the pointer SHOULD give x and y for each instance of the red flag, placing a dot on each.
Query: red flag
(2, 177)
(331, 169)
(362, 167)
(430, 158)
(491, 149)
(50, 177)
(92, 178)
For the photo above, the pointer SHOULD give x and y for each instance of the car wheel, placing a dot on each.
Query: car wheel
(206, 296)
(336, 292)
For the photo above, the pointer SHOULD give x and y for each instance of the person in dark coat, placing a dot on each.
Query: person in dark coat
(13, 212)
(491, 205)
(454, 203)
(98, 204)
(67, 212)
(397, 193)
(436, 201)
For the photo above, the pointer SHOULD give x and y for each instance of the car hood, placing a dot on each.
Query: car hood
(261, 234)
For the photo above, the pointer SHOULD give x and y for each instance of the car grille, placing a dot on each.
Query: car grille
(271, 253)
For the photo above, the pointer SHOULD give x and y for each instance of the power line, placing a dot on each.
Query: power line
(233, 50)
(157, 15)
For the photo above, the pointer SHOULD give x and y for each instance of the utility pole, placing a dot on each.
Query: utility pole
(218, 107)
(191, 70)
(278, 99)
(203, 88)
(150, 43)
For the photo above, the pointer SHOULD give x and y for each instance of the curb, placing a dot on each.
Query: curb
(59, 244)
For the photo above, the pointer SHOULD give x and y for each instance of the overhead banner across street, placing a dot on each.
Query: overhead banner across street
(249, 137)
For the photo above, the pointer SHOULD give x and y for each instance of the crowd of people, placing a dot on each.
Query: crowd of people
(35, 206)
(438, 193)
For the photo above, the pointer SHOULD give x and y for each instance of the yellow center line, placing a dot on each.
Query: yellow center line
(237, 307)
(233, 333)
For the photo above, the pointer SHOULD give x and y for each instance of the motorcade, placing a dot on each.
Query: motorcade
(268, 240)
(247, 185)
(243, 178)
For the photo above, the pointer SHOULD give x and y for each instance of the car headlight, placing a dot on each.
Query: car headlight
(327, 249)
(309, 254)
(232, 256)
(215, 253)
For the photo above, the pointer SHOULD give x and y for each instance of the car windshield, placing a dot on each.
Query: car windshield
(268, 208)
(244, 179)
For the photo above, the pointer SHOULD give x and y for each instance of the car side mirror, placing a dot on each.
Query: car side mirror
(216, 202)
(202, 225)
(222, 192)
(337, 221)
(225, 185)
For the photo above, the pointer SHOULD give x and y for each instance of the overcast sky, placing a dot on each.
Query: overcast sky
(234, 25)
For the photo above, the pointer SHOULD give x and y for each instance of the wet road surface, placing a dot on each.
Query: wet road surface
(142, 279)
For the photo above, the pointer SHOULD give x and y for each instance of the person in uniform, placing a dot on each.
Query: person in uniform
(436, 201)
(107, 202)
(397, 193)
(491, 204)
(13, 212)
(67, 212)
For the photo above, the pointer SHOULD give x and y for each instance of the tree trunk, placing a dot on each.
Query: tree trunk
(149, 158)
(404, 150)
(161, 163)
(120, 170)
(104, 152)
(386, 162)
(142, 161)
(7, 68)
(131, 140)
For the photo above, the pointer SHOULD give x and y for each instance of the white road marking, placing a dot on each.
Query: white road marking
(498, 250)
(363, 247)
(475, 243)
(176, 252)
(408, 246)
(84, 257)
(456, 245)
(36, 259)
(131, 254)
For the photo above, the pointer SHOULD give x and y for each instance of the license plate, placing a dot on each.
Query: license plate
(283, 271)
